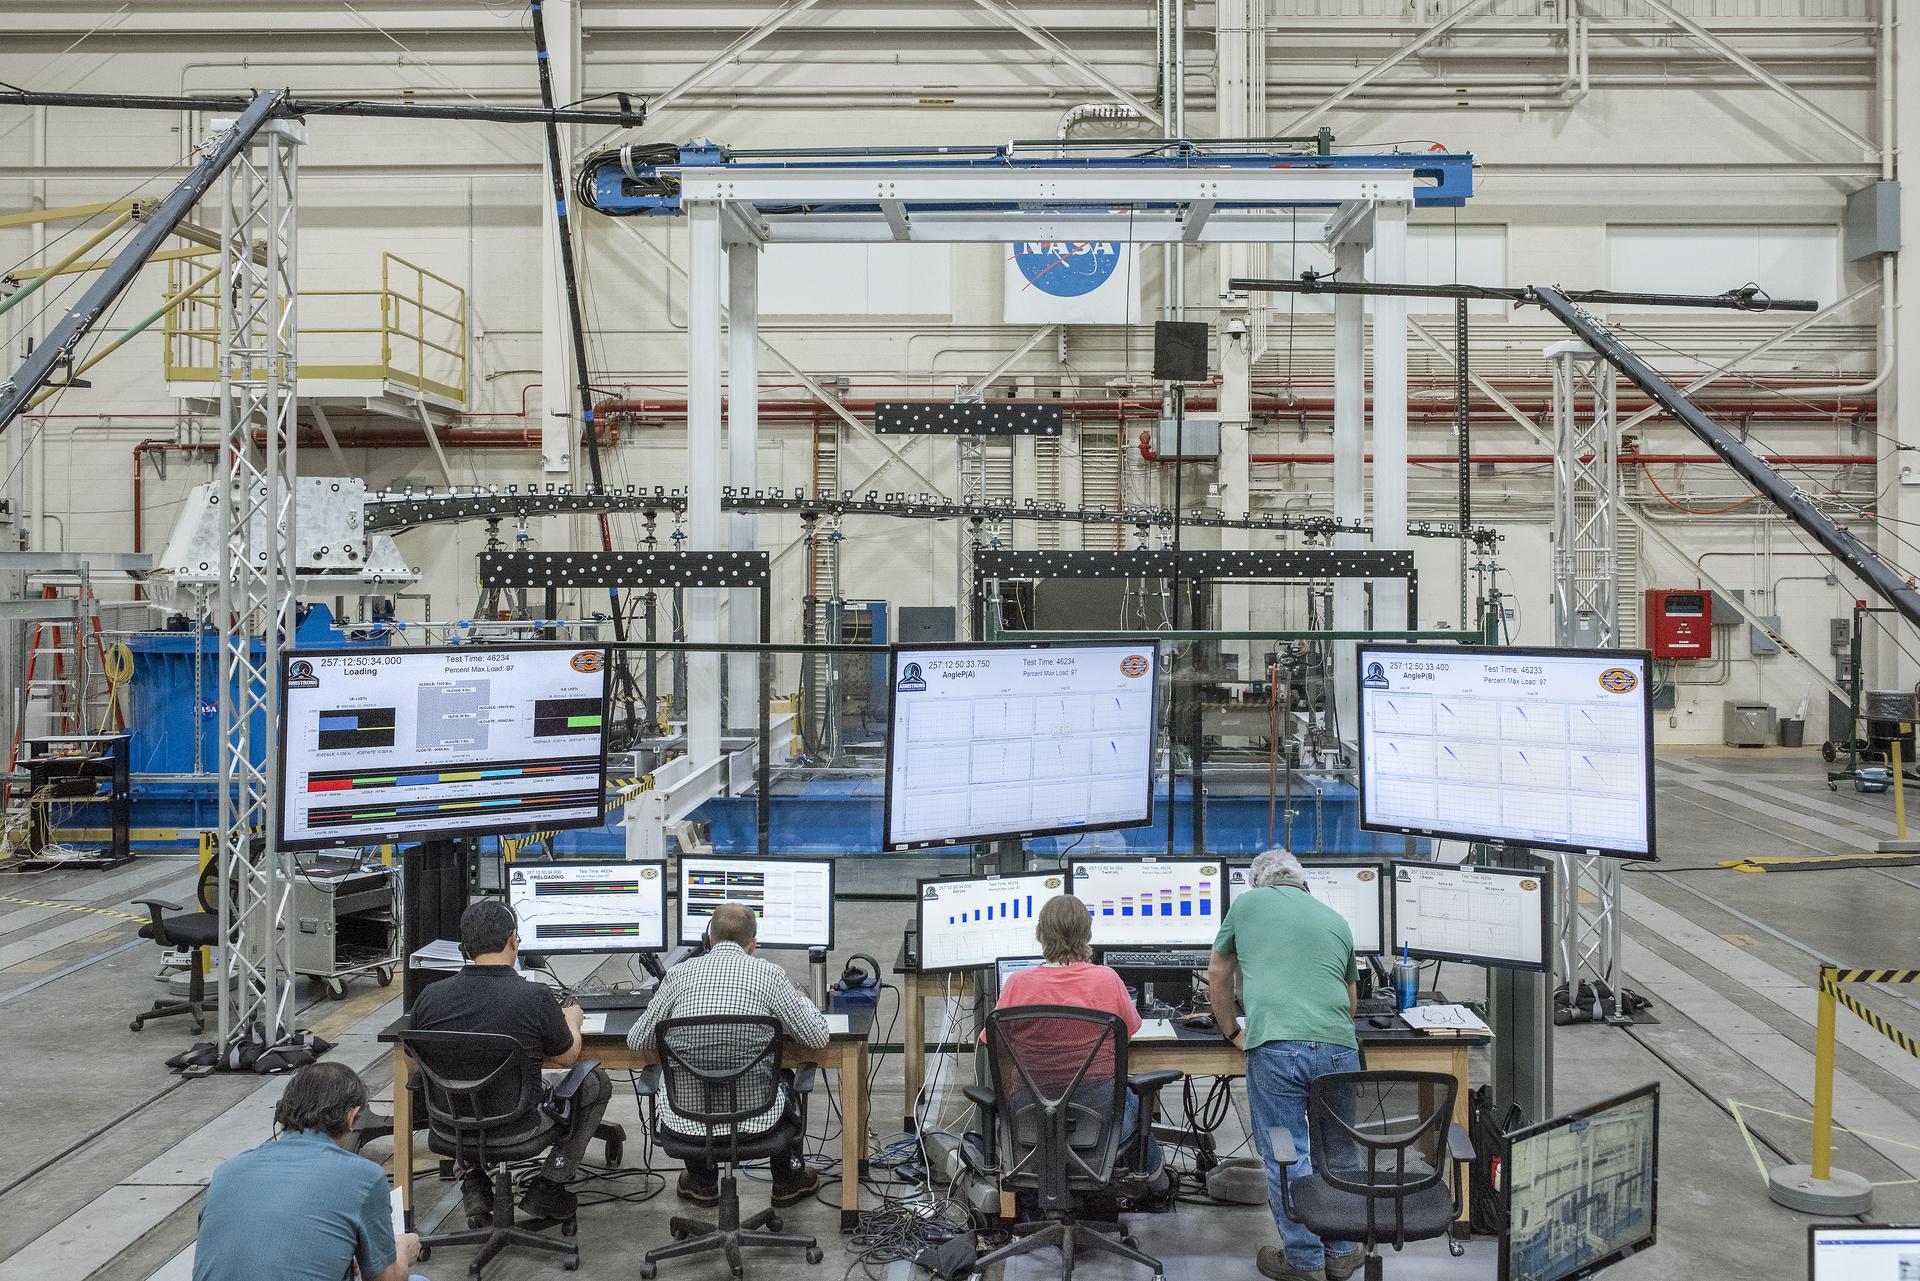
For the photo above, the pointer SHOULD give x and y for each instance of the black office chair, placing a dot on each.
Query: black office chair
(1382, 1145)
(487, 1108)
(719, 1071)
(1054, 1112)
(195, 931)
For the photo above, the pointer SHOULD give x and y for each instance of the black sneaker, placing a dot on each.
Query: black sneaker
(697, 1193)
(476, 1198)
(545, 1199)
(799, 1190)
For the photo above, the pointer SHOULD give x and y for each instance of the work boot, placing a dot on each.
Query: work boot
(1342, 1266)
(1273, 1263)
(697, 1193)
(545, 1199)
(799, 1190)
(476, 1198)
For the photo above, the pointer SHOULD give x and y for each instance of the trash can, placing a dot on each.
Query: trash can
(1793, 732)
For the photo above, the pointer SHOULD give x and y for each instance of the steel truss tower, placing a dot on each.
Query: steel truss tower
(259, 413)
(1586, 613)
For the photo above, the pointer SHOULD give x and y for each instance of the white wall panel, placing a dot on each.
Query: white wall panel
(1786, 261)
(1474, 254)
(857, 280)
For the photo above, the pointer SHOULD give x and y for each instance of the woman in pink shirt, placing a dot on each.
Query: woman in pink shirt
(1064, 928)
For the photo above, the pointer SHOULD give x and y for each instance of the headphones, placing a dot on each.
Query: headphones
(858, 977)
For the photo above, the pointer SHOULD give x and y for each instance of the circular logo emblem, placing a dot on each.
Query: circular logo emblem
(1366, 876)
(1066, 268)
(587, 661)
(1133, 666)
(1053, 882)
(1207, 869)
(648, 873)
(1529, 885)
(1618, 680)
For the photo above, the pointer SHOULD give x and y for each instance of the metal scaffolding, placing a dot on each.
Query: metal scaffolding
(1586, 614)
(255, 593)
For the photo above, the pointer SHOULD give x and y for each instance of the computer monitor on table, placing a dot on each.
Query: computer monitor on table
(1583, 1190)
(1480, 915)
(1007, 966)
(793, 897)
(1863, 1252)
(1146, 902)
(589, 907)
(394, 746)
(969, 922)
(1355, 890)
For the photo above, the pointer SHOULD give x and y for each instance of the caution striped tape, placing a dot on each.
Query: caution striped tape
(1872, 1020)
(72, 907)
(628, 788)
(1873, 976)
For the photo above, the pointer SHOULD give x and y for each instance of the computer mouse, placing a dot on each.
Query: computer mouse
(1203, 1022)
(1382, 1023)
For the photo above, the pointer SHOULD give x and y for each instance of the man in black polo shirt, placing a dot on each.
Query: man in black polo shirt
(489, 995)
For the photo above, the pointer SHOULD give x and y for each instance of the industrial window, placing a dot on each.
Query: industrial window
(1788, 261)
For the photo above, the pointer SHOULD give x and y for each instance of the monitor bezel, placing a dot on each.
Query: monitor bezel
(1219, 916)
(1651, 1088)
(920, 912)
(1542, 875)
(680, 885)
(398, 837)
(1645, 657)
(1357, 864)
(1815, 1229)
(539, 949)
(891, 846)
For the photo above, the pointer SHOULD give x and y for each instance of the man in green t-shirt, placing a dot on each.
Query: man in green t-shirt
(1291, 959)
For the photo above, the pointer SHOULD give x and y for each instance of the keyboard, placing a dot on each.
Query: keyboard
(1155, 958)
(614, 1001)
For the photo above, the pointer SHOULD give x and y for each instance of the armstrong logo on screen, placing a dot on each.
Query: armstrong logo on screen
(932, 893)
(1376, 677)
(1066, 268)
(911, 681)
(519, 877)
(300, 675)
(1618, 680)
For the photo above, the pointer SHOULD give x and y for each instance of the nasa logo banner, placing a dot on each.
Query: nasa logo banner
(1081, 282)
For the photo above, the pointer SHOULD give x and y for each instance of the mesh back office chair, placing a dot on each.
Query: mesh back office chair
(1383, 1143)
(487, 1108)
(719, 1071)
(1056, 1109)
(194, 931)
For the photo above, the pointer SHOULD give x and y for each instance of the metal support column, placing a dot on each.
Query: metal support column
(258, 372)
(1349, 468)
(706, 256)
(743, 447)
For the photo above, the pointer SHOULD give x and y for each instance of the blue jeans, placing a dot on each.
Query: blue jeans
(1279, 1074)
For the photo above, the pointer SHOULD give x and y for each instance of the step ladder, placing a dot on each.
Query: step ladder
(64, 675)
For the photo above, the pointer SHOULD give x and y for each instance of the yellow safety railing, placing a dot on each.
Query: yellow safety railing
(411, 330)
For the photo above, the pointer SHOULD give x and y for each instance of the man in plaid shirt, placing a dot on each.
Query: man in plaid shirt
(730, 979)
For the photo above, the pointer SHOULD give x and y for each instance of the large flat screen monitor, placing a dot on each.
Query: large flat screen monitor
(1481, 915)
(1000, 742)
(397, 745)
(793, 897)
(589, 907)
(1550, 748)
(1355, 890)
(969, 922)
(1582, 1190)
(1147, 902)
(1863, 1252)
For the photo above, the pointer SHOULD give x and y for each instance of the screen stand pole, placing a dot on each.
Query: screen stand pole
(433, 894)
(1519, 1009)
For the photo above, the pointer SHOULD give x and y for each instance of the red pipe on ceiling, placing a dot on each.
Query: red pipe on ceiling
(1148, 454)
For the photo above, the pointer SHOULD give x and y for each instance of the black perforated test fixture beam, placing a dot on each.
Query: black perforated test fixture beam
(562, 570)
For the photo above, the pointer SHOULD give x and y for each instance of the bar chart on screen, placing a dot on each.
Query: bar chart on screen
(972, 921)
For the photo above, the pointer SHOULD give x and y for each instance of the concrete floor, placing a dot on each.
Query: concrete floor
(108, 1152)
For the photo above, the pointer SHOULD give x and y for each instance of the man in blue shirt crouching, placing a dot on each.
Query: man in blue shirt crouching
(300, 1207)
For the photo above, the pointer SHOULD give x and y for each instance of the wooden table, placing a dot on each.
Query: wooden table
(1194, 1053)
(845, 1054)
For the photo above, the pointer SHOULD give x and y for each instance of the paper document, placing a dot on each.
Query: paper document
(397, 1202)
(837, 1023)
(1155, 1030)
(1442, 1018)
(594, 1024)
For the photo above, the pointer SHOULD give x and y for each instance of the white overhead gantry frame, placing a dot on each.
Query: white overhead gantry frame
(1349, 209)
